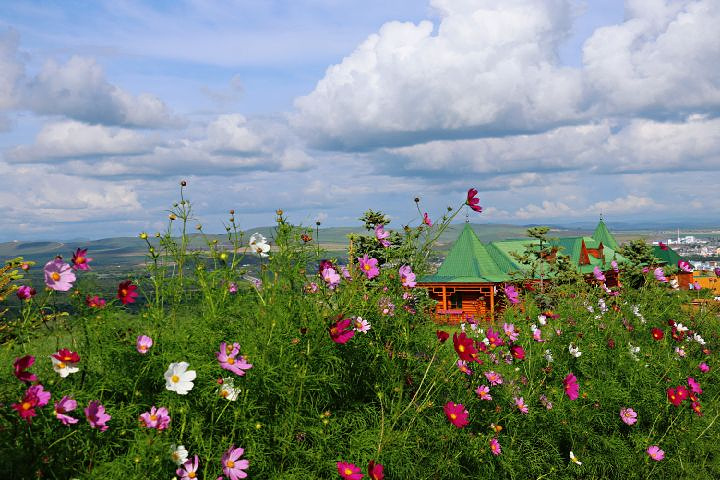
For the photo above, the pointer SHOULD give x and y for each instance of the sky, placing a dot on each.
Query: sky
(556, 111)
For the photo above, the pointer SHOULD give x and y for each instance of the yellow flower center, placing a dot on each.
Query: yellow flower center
(366, 267)
(231, 361)
(453, 416)
(230, 464)
(348, 471)
(461, 348)
(153, 418)
(224, 393)
(191, 475)
(26, 405)
(143, 348)
(55, 276)
(174, 379)
(61, 365)
(80, 260)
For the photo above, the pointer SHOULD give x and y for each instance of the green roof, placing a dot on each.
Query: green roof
(602, 234)
(469, 260)
(667, 256)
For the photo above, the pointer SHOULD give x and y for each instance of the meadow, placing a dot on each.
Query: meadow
(313, 369)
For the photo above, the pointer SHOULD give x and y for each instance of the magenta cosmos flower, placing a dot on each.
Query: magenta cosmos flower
(704, 367)
(20, 365)
(80, 260)
(571, 386)
(655, 453)
(382, 235)
(189, 469)
(95, 302)
(660, 275)
(520, 404)
(65, 405)
(143, 344)
(407, 276)
(25, 292)
(457, 414)
(349, 471)
(628, 415)
(58, 275)
(464, 347)
(232, 466)
(158, 418)
(342, 330)
(472, 201)
(685, 266)
(126, 292)
(512, 295)
(34, 397)
(375, 471)
(426, 220)
(493, 377)
(369, 266)
(229, 360)
(96, 416)
(598, 274)
(495, 447)
(694, 386)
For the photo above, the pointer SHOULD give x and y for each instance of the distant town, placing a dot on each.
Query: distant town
(701, 249)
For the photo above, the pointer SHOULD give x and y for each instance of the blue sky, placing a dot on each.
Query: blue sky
(555, 110)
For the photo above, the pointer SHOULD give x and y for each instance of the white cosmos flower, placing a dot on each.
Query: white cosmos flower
(574, 351)
(548, 355)
(681, 328)
(179, 454)
(574, 459)
(179, 379)
(228, 390)
(259, 244)
(63, 368)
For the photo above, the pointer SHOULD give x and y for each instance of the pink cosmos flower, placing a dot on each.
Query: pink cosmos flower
(20, 365)
(509, 330)
(65, 405)
(375, 471)
(227, 357)
(512, 294)
(361, 325)
(189, 469)
(96, 416)
(158, 418)
(660, 275)
(494, 338)
(545, 402)
(717, 272)
(537, 335)
(342, 331)
(520, 404)
(143, 344)
(369, 266)
(704, 368)
(493, 377)
(457, 414)
(472, 201)
(571, 386)
(483, 392)
(348, 471)
(59, 275)
(331, 277)
(407, 276)
(345, 273)
(614, 266)
(95, 302)
(685, 266)
(694, 386)
(462, 365)
(232, 466)
(80, 260)
(599, 275)
(655, 453)
(495, 446)
(34, 397)
(382, 235)
(628, 415)
(426, 220)
(232, 287)
(25, 292)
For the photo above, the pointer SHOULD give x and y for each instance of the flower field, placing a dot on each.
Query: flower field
(314, 369)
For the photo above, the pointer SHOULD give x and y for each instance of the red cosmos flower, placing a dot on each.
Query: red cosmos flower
(34, 397)
(662, 246)
(464, 347)
(472, 201)
(375, 471)
(682, 392)
(657, 333)
(80, 260)
(342, 331)
(677, 335)
(20, 365)
(673, 397)
(126, 292)
(94, 302)
(457, 414)
(67, 356)
(696, 408)
(517, 352)
(442, 335)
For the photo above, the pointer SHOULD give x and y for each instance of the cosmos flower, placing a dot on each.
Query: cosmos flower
(58, 275)
(407, 276)
(20, 365)
(189, 469)
(464, 347)
(628, 415)
(25, 292)
(342, 331)
(64, 362)
(685, 266)
(361, 325)
(472, 201)
(483, 392)
(65, 405)
(96, 416)
(259, 245)
(228, 358)
(178, 454)
(95, 301)
(232, 466)
(158, 418)
(227, 389)
(348, 471)
(143, 344)
(80, 260)
(462, 365)
(426, 220)
(375, 471)
(382, 235)
(493, 377)
(457, 414)
(655, 453)
(574, 459)
(495, 446)
(520, 404)
(657, 333)
(331, 277)
(509, 330)
(574, 351)
(127, 292)
(571, 386)
(369, 267)
(179, 379)
(599, 275)
(660, 275)
(512, 294)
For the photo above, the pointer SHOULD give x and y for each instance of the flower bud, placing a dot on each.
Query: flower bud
(183, 183)
(143, 235)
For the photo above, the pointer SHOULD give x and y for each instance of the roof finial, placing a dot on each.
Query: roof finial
(601, 217)
(467, 216)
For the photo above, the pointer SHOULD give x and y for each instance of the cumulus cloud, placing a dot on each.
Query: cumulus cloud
(488, 69)
(662, 60)
(72, 139)
(625, 205)
(11, 69)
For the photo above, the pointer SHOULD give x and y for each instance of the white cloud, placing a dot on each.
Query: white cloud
(11, 69)
(71, 139)
(625, 205)
(663, 60)
(547, 209)
(490, 68)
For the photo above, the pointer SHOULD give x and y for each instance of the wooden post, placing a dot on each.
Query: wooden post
(492, 302)
(444, 295)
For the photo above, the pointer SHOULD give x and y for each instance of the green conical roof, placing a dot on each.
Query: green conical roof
(468, 261)
(602, 234)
